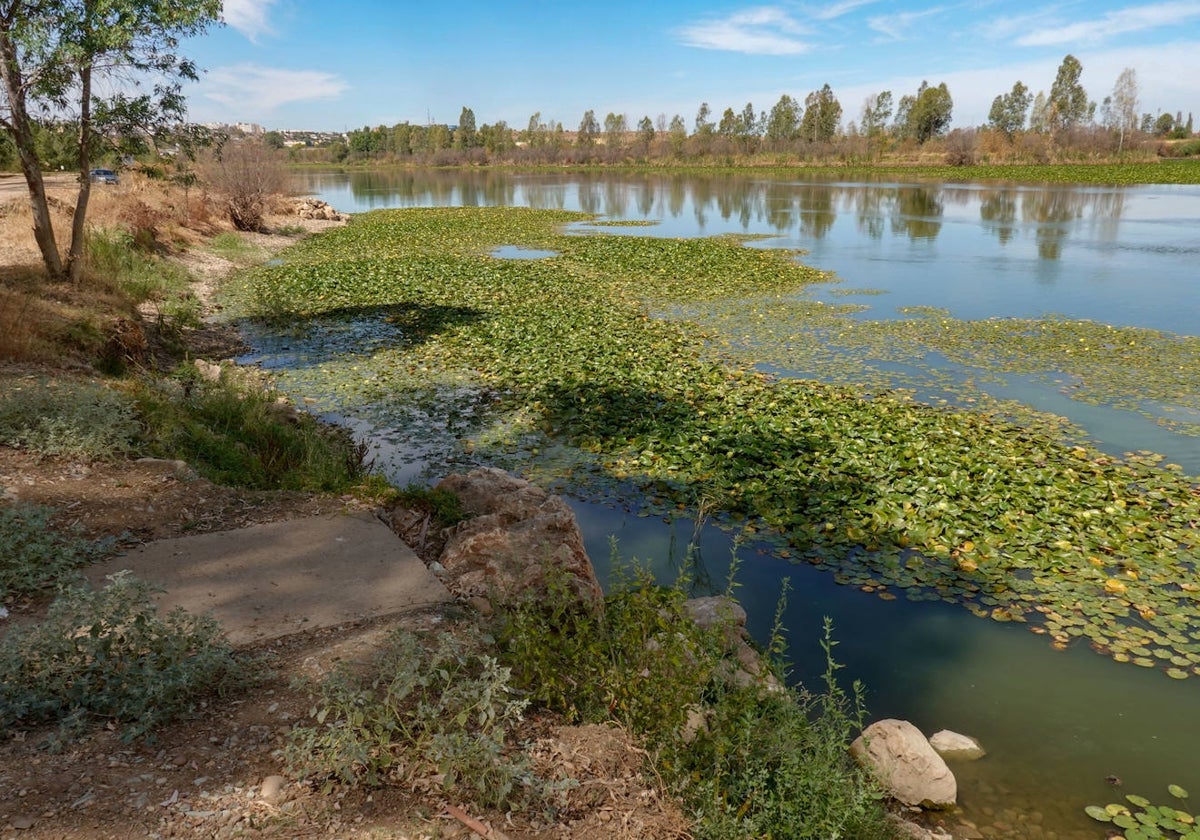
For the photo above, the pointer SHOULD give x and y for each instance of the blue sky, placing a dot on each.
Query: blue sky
(342, 64)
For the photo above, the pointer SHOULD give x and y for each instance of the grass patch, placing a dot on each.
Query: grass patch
(235, 248)
(235, 431)
(107, 655)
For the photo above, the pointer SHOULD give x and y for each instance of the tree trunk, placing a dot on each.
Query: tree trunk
(75, 258)
(43, 225)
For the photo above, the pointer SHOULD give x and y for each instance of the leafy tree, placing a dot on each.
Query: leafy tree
(929, 112)
(615, 127)
(729, 125)
(466, 137)
(589, 130)
(783, 123)
(704, 124)
(1164, 125)
(1039, 114)
(1068, 103)
(1009, 110)
(876, 109)
(273, 140)
(645, 134)
(822, 114)
(747, 122)
(677, 134)
(85, 58)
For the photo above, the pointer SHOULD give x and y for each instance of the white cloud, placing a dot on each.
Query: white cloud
(895, 27)
(248, 16)
(252, 89)
(836, 10)
(765, 30)
(1119, 22)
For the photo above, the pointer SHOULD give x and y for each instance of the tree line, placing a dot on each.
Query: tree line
(1062, 121)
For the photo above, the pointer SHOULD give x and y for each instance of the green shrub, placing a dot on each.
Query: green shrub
(642, 661)
(775, 764)
(443, 506)
(113, 255)
(441, 711)
(769, 763)
(72, 418)
(108, 655)
(35, 556)
(236, 432)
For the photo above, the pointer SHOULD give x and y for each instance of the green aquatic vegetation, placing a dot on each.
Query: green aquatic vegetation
(1145, 821)
(591, 370)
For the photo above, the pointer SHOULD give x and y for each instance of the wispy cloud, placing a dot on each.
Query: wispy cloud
(765, 30)
(248, 16)
(255, 90)
(837, 10)
(896, 27)
(1111, 24)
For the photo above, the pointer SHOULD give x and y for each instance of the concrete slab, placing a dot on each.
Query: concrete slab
(271, 580)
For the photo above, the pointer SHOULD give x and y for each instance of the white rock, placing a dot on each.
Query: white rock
(956, 747)
(906, 765)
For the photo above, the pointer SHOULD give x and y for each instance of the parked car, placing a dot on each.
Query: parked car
(104, 176)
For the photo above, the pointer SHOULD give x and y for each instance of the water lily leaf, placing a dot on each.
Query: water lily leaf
(1177, 791)
(1098, 813)
(1139, 801)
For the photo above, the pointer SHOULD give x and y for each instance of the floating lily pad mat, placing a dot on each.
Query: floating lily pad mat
(567, 359)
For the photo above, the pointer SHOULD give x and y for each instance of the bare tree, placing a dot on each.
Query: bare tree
(1125, 105)
(247, 175)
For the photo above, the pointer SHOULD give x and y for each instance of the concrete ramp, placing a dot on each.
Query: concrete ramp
(272, 580)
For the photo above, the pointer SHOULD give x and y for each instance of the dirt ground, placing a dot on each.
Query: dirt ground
(220, 772)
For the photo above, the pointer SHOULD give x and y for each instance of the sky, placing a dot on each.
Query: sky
(337, 65)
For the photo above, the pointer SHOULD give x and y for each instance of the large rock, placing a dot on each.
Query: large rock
(517, 536)
(906, 765)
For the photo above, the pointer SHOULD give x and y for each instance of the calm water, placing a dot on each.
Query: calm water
(1054, 723)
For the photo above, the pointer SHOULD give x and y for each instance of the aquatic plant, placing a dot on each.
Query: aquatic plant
(589, 368)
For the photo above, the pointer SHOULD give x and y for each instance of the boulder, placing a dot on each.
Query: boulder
(909, 769)
(955, 747)
(517, 537)
(314, 208)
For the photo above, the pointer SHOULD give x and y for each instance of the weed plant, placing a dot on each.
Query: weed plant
(236, 432)
(108, 655)
(767, 763)
(440, 712)
(443, 506)
(35, 556)
(64, 417)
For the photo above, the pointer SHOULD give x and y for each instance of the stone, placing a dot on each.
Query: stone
(909, 769)
(271, 788)
(716, 611)
(20, 823)
(955, 747)
(516, 536)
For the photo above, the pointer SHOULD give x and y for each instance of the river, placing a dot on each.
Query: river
(1055, 723)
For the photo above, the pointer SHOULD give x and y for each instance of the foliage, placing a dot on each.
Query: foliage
(66, 417)
(1009, 110)
(91, 57)
(822, 115)
(238, 433)
(1068, 104)
(34, 555)
(443, 505)
(108, 655)
(774, 764)
(1006, 519)
(442, 712)
(114, 257)
(641, 661)
(1145, 821)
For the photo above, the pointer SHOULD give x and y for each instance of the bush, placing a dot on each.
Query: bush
(248, 176)
(35, 556)
(236, 432)
(71, 418)
(108, 655)
(775, 764)
(768, 763)
(441, 713)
